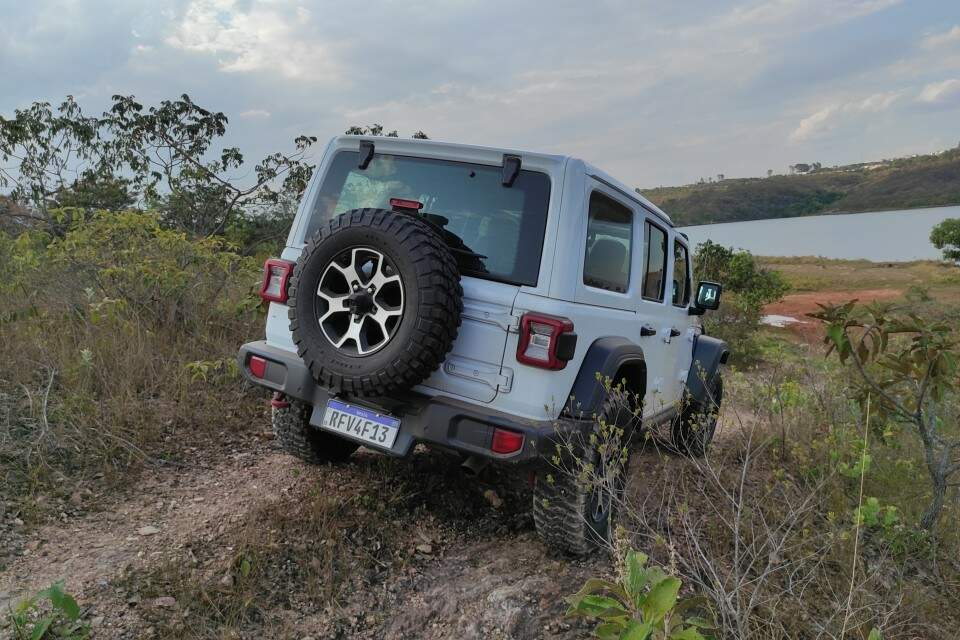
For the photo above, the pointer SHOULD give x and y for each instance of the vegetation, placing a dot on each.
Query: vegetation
(905, 183)
(48, 615)
(907, 365)
(103, 329)
(946, 236)
(748, 286)
(642, 604)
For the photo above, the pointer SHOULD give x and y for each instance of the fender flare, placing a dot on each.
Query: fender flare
(603, 359)
(708, 354)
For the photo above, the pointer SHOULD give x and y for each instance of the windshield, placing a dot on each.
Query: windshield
(496, 232)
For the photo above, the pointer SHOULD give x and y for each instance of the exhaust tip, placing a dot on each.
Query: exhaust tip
(473, 465)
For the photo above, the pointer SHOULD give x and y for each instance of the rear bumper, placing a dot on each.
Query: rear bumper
(442, 421)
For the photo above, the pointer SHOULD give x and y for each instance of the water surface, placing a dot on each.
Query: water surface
(883, 236)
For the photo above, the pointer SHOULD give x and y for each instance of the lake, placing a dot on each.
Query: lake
(883, 236)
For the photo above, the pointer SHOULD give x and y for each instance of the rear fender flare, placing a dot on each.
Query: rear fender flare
(604, 358)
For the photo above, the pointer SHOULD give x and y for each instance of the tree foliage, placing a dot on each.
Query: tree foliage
(747, 287)
(378, 130)
(908, 367)
(946, 237)
(168, 155)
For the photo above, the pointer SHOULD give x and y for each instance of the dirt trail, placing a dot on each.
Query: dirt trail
(494, 577)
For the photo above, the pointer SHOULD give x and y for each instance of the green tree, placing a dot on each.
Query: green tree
(946, 237)
(377, 130)
(747, 287)
(908, 366)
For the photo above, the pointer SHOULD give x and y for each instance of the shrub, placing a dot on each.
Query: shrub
(946, 236)
(61, 619)
(748, 286)
(100, 326)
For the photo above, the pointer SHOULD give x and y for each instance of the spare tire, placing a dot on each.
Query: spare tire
(375, 302)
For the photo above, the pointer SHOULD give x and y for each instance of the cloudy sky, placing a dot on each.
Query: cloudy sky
(656, 92)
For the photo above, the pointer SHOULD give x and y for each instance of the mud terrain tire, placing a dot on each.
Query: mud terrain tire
(375, 249)
(693, 431)
(566, 511)
(291, 426)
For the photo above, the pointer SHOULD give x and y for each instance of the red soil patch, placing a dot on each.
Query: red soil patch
(798, 305)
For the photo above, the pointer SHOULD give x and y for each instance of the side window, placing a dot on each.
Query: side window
(681, 275)
(609, 244)
(655, 241)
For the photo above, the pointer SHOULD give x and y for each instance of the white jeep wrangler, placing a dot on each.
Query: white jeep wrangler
(482, 300)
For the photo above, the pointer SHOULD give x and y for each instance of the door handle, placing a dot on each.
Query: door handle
(646, 331)
(674, 332)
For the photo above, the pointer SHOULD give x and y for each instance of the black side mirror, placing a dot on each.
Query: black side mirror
(708, 295)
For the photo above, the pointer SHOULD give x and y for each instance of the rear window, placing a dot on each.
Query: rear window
(502, 227)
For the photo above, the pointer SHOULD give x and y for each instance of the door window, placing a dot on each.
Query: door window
(681, 275)
(655, 250)
(609, 244)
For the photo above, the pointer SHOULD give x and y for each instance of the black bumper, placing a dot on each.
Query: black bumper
(442, 421)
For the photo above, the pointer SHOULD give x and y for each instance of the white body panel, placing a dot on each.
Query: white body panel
(482, 366)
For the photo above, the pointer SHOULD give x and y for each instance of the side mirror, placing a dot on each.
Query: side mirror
(708, 295)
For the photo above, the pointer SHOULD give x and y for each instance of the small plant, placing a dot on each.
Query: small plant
(642, 605)
(30, 619)
(910, 365)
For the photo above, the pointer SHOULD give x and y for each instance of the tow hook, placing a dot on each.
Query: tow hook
(279, 401)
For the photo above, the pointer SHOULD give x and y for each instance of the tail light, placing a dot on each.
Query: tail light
(546, 341)
(276, 275)
(506, 441)
(258, 366)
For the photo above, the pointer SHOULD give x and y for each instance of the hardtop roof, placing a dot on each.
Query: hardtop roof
(415, 145)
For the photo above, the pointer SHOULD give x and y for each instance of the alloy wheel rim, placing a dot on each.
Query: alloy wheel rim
(360, 300)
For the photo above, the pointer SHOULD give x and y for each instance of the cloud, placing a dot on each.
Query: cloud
(941, 93)
(832, 116)
(255, 113)
(265, 37)
(939, 39)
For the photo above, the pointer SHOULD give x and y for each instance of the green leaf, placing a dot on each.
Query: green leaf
(637, 631)
(70, 607)
(875, 634)
(690, 633)
(244, 568)
(661, 599)
(636, 574)
(595, 585)
(608, 631)
(41, 629)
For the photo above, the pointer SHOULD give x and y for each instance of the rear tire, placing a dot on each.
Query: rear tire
(291, 425)
(569, 513)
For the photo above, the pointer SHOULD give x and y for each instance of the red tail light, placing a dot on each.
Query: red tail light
(505, 441)
(276, 275)
(258, 366)
(545, 341)
(403, 203)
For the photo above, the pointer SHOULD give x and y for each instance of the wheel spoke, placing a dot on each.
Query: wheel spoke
(352, 333)
(380, 279)
(335, 304)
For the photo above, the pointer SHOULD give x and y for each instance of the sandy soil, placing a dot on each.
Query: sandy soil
(798, 305)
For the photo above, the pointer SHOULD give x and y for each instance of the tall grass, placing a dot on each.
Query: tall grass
(118, 343)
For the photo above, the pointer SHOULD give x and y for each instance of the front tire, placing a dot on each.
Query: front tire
(291, 426)
(693, 431)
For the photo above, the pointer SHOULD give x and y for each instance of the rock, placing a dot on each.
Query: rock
(166, 602)
(425, 549)
(491, 496)
(33, 545)
(148, 530)
(76, 498)
(17, 522)
(227, 580)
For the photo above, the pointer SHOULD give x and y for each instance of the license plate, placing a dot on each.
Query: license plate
(369, 426)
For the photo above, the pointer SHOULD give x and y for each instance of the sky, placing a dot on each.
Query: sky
(655, 92)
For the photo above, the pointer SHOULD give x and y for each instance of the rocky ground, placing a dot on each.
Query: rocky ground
(416, 550)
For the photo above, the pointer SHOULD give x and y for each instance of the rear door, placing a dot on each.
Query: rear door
(652, 316)
(679, 327)
(473, 367)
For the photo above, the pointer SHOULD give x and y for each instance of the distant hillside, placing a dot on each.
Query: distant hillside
(905, 183)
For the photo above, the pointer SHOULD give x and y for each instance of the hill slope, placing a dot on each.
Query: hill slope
(905, 183)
